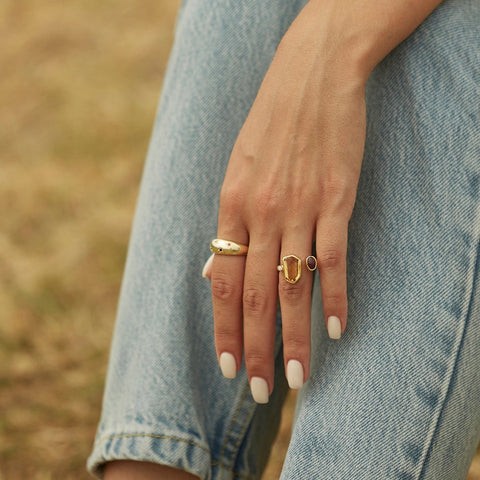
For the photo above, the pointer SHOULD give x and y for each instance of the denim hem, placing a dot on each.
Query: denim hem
(176, 452)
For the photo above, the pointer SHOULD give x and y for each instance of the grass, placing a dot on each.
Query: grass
(78, 92)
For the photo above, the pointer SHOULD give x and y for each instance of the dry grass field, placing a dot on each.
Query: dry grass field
(78, 91)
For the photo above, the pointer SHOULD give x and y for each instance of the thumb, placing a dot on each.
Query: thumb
(207, 268)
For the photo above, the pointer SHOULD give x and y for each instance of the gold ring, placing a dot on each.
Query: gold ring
(311, 263)
(227, 247)
(291, 267)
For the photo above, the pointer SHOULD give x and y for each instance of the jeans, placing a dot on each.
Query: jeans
(398, 396)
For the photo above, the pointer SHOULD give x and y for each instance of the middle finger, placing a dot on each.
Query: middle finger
(259, 310)
(295, 303)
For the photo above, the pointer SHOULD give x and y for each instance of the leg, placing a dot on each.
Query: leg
(398, 397)
(166, 401)
(131, 470)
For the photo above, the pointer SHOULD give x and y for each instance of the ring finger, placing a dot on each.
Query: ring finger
(295, 304)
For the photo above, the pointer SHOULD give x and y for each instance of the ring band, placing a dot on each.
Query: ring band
(227, 247)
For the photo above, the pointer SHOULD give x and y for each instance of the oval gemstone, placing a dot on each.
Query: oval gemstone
(311, 263)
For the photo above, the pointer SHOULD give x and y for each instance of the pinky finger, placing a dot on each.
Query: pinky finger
(332, 265)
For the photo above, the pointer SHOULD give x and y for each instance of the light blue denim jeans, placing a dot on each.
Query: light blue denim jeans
(398, 397)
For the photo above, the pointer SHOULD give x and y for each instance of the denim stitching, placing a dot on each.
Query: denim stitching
(455, 364)
(245, 426)
(229, 469)
(168, 437)
(234, 419)
(242, 433)
(151, 435)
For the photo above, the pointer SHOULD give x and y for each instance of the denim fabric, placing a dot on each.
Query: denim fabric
(398, 397)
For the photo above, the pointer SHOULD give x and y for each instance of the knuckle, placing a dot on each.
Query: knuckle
(244, 149)
(266, 203)
(296, 345)
(338, 196)
(230, 198)
(256, 359)
(290, 292)
(335, 298)
(223, 287)
(336, 186)
(254, 301)
(296, 336)
(330, 259)
(225, 332)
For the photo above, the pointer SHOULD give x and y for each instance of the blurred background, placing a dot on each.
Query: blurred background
(79, 86)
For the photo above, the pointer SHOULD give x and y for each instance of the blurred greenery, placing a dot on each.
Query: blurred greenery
(78, 92)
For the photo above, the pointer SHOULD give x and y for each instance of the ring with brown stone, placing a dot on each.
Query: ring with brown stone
(291, 267)
(311, 263)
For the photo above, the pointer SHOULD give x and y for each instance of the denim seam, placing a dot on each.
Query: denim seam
(234, 418)
(229, 469)
(151, 435)
(243, 426)
(177, 439)
(243, 430)
(474, 279)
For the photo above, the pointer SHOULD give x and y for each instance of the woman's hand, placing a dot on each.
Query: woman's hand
(291, 181)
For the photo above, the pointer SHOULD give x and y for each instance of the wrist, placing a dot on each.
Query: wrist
(353, 36)
(326, 40)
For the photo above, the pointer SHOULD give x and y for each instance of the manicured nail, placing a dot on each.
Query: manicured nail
(334, 327)
(259, 388)
(294, 374)
(228, 365)
(208, 266)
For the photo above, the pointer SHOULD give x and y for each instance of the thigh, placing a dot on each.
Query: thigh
(165, 398)
(398, 397)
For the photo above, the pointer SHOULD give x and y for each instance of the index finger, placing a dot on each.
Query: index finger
(227, 290)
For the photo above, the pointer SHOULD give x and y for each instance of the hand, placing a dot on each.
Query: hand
(291, 180)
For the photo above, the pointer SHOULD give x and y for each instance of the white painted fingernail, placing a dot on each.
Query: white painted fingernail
(259, 388)
(334, 327)
(208, 266)
(295, 374)
(228, 365)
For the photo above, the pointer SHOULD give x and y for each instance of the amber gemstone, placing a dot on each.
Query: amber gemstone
(292, 268)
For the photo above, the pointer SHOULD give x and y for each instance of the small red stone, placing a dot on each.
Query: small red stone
(311, 263)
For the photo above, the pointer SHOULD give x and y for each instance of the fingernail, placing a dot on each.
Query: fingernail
(295, 374)
(259, 388)
(228, 365)
(207, 267)
(334, 327)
